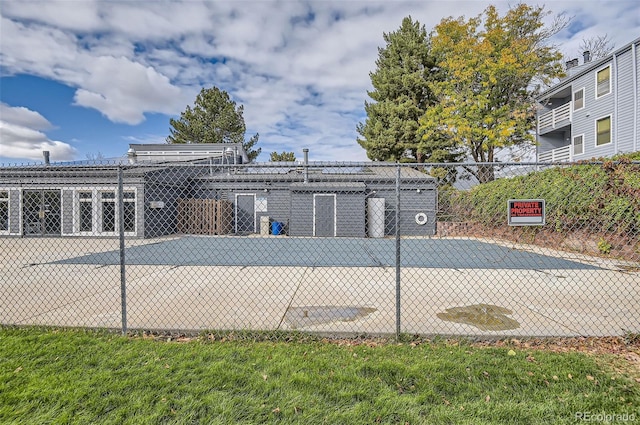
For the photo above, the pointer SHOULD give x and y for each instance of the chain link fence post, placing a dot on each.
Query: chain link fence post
(123, 279)
(397, 219)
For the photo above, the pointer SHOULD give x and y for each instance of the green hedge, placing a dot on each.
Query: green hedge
(598, 198)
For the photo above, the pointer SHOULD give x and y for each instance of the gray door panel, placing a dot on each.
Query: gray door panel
(245, 214)
(324, 215)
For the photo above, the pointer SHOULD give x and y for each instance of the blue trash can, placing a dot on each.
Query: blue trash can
(277, 228)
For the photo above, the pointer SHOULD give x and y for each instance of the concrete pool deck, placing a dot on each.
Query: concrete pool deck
(172, 284)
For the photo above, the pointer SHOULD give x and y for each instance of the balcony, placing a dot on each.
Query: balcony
(562, 154)
(556, 118)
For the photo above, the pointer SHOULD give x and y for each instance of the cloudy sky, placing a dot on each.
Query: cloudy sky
(85, 78)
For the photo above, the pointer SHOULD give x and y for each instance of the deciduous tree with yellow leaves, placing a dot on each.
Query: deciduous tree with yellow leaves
(493, 67)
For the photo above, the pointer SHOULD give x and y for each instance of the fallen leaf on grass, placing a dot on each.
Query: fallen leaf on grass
(590, 378)
(511, 353)
(264, 377)
(18, 369)
(487, 398)
(276, 410)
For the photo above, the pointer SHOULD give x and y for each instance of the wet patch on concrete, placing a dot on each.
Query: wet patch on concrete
(485, 317)
(301, 317)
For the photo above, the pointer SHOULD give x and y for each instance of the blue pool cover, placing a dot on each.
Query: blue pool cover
(328, 252)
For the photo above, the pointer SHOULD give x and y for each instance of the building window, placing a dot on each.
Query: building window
(578, 99)
(577, 145)
(108, 211)
(603, 131)
(129, 204)
(4, 211)
(603, 81)
(85, 211)
(97, 212)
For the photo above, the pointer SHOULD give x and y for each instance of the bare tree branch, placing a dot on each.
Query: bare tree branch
(599, 46)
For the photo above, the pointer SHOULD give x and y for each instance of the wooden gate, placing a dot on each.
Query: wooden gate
(205, 216)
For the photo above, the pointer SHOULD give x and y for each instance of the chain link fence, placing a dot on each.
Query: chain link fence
(339, 249)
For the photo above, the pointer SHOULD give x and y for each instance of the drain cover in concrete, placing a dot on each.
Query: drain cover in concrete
(300, 317)
(485, 317)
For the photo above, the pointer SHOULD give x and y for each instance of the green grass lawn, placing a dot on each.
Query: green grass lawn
(76, 376)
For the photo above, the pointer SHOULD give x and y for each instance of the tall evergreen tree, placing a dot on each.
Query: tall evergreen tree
(282, 157)
(214, 118)
(401, 95)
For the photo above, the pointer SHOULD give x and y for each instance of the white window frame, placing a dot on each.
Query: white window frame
(595, 141)
(96, 217)
(610, 80)
(573, 99)
(100, 211)
(573, 144)
(6, 200)
(133, 201)
(335, 212)
(77, 201)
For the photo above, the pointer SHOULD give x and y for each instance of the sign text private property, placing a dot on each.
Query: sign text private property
(526, 212)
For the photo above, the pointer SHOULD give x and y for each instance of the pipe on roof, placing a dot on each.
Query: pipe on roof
(305, 151)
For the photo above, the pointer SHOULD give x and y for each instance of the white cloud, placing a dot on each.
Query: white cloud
(123, 90)
(146, 138)
(76, 16)
(119, 87)
(23, 117)
(21, 138)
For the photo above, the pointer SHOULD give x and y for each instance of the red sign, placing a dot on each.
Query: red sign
(526, 212)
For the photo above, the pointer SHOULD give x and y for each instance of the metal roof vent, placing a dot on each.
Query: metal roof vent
(132, 156)
(572, 63)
